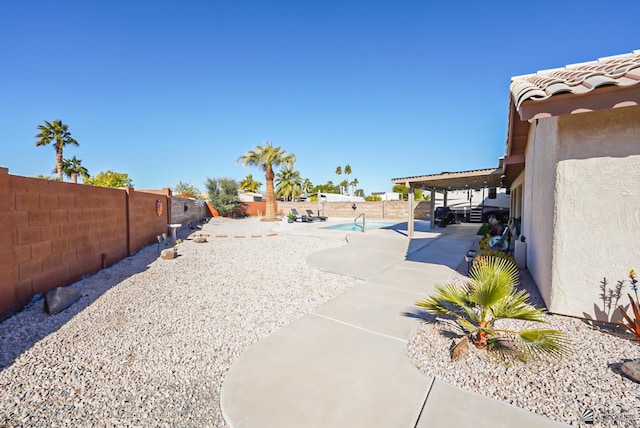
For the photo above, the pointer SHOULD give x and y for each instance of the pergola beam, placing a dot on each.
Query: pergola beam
(445, 182)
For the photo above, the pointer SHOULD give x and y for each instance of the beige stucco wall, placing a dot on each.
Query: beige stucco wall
(598, 208)
(538, 202)
(582, 188)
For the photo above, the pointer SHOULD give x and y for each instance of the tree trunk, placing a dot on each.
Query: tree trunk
(59, 162)
(74, 177)
(480, 340)
(270, 213)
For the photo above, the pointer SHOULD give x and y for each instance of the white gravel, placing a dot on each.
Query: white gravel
(150, 341)
(559, 389)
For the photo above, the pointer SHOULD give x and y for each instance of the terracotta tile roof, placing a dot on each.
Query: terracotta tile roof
(577, 79)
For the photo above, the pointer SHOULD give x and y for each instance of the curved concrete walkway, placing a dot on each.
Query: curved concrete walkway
(345, 364)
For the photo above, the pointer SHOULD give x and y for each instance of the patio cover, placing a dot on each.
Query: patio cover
(445, 181)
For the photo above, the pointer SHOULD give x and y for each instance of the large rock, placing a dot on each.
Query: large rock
(199, 239)
(59, 299)
(632, 369)
(169, 253)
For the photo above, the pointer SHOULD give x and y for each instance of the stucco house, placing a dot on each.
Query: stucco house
(573, 166)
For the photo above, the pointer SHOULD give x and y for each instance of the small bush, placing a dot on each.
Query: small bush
(486, 253)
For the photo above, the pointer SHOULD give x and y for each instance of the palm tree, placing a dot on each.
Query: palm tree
(288, 183)
(307, 185)
(266, 158)
(339, 173)
(488, 296)
(72, 168)
(354, 184)
(347, 171)
(343, 186)
(58, 132)
(248, 184)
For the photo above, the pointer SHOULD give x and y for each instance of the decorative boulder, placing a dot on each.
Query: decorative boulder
(632, 369)
(59, 299)
(169, 253)
(199, 239)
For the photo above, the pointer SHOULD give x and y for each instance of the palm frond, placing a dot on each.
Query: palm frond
(450, 299)
(466, 325)
(516, 307)
(492, 280)
(545, 342)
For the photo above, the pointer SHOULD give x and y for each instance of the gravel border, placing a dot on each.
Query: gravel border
(588, 379)
(150, 341)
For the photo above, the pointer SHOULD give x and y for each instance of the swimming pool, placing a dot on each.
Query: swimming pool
(350, 227)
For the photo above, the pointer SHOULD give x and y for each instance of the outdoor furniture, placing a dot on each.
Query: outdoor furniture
(298, 217)
(501, 243)
(316, 217)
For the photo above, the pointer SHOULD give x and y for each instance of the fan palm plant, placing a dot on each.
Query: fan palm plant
(307, 185)
(266, 158)
(57, 132)
(354, 184)
(347, 172)
(489, 296)
(73, 168)
(248, 184)
(288, 182)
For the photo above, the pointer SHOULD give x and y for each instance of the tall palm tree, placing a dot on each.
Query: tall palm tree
(343, 186)
(354, 184)
(73, 168)
(288, 183)
(489, 296)
(59, 133)
(347, 171)
(307, 185)
(248, 184)
(266, 158)
(339, 173)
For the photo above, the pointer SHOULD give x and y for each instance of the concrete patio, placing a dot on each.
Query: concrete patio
(345, 364)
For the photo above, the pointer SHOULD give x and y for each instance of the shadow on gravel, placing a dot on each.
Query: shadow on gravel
(21, 331)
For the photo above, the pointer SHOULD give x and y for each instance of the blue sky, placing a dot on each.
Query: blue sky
(171, 91)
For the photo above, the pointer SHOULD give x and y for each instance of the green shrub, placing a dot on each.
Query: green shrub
(484, 229)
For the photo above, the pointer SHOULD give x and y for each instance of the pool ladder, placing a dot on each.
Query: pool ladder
(355, 221)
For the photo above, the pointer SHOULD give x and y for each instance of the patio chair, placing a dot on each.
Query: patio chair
(502, 242)
(314, 217)
(298, 217)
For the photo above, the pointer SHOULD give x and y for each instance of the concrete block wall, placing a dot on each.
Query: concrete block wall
(185, 210)
(144, 222)
(393, 210)
(253, 208)
(53, 233)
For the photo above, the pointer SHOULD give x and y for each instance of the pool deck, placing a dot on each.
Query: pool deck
(345, 364)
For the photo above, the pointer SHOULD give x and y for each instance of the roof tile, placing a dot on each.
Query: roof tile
(580, 78)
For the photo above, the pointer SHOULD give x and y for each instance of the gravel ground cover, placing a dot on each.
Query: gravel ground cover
(560, 389)
(150, 341)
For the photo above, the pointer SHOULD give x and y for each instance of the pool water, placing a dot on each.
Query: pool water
(350, 227)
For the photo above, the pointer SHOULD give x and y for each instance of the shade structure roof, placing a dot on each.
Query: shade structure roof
(474, 179)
